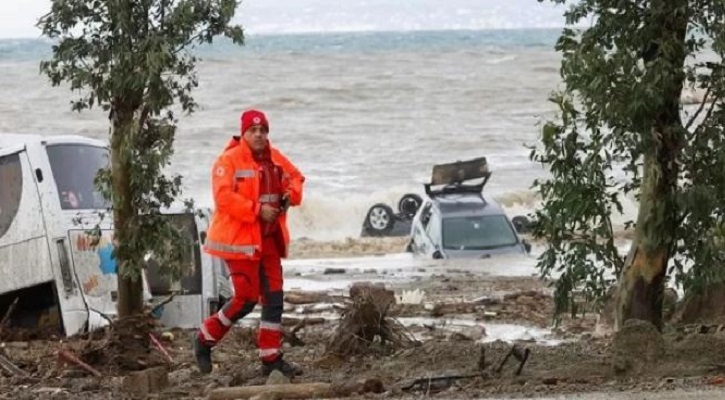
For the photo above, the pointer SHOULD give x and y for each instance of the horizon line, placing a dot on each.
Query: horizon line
(361, 31)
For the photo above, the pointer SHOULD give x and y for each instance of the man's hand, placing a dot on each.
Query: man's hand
(285, 202)
(268, 213)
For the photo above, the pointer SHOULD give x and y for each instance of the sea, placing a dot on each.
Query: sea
(364, 114)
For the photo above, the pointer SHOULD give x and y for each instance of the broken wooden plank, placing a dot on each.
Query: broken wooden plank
(11, 368)
(288, 321)
(286, 391)
(297, 297)
(441, 309)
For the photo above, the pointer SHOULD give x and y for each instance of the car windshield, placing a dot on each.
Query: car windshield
(477, 233)
(74, 168)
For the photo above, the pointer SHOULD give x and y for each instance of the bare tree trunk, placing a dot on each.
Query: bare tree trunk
(641, 287)
(130, 290)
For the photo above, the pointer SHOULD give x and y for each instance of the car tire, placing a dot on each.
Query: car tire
(409, 204)
(521, 224)
(379, 220)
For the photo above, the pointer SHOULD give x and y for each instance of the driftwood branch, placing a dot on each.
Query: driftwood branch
(66, 356)
(9, 312)
(298, 298)
(300, 390)
(365, 321)
(286, 391)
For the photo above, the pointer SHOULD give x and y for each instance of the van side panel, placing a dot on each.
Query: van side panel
(24, 254)
(95, 268)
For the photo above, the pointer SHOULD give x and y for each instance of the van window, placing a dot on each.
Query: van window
(11, 190)
(159, 282)
(75, 168)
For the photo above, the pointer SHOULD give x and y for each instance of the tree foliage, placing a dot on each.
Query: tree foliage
(135, 60)
(621, 129)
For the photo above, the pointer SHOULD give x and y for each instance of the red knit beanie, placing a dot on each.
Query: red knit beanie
(253, 117)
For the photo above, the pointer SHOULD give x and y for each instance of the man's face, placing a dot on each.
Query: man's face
(256, 137)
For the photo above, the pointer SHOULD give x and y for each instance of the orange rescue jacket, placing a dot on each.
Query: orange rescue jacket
(235, 229)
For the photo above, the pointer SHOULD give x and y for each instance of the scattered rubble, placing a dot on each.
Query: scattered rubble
(458, 350)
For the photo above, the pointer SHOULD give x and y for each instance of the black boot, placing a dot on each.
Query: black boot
(286, 368)
(202, 353)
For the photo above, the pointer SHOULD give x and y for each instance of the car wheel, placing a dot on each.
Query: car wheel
(521, 223)
(379, 220)
(409, 204)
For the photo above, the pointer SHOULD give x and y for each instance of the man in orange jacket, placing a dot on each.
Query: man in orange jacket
(253, 184)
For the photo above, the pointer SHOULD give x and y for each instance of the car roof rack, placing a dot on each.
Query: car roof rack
(453, 175)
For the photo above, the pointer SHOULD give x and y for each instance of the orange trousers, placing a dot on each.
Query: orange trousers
(253, 282)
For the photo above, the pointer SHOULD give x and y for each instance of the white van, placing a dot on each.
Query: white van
(48, 203)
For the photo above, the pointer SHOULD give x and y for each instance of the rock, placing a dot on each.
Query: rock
(637, 344)
(168, 336)
(142, 383)
(277, 378)
(158, 379)
(331, 271)
(137, 384)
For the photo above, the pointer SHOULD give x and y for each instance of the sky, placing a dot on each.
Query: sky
(18, 17)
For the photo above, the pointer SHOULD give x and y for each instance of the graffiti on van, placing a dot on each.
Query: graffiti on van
(102, 247)
(93, 261)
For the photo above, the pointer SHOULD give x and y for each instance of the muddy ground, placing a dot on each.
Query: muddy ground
(461, 315)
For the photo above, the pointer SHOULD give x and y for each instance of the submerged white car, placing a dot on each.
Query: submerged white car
(456, 220)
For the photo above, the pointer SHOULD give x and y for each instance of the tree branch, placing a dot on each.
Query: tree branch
(691, 135)
(699, 109)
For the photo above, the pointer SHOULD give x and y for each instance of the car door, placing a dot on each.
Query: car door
(433, 234)
(422, 244)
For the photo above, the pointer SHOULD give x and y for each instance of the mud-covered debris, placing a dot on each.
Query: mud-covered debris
(65, 356)
(142, 383)
(520, 355)
(636, 345)
(11, 368)
(365, 324)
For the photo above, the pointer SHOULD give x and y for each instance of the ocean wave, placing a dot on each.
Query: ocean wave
(332, 218)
